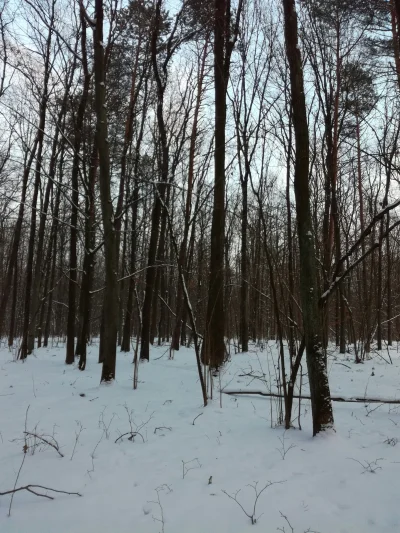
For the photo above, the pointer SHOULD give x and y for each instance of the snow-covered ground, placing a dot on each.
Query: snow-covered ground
(178, 468)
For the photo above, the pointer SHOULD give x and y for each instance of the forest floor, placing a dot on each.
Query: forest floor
(172, 475)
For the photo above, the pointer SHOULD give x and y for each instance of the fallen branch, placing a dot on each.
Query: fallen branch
(333, 398)
(30, 487)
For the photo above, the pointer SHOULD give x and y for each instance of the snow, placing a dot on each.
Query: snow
(326, 485)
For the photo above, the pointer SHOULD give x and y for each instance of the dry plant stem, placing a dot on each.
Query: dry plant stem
(283, 450)
(46, 441)
(186, 469)
(158, 502)
(196, 418)
(92, 456)
(15, 484)
(370, 467)
(132, 435)
(258, 493)
(288, 523)
(160, 428)
(77, 435)
(26, 428)
(103, 425)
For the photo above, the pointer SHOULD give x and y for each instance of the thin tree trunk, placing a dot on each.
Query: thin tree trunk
(25, 348)
(88, 262)
(180, 309)
(160, 194)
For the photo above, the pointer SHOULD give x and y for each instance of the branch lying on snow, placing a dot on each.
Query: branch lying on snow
(131, 437)
(333, 398)
(30, 488)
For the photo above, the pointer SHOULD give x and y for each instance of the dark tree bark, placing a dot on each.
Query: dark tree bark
(224, 40)
(52, 252)
(73, 259)
(25, 349)
(151, 272)
(108, 340)
(88, 262)
(11, 333)
(35, 324)
(318, 378)
(17, 234)
(180, 309)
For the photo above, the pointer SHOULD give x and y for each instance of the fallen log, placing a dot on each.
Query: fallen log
(354, 399)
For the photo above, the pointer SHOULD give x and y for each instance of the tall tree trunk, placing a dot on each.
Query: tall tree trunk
(52, 251)
(290, 246)
(11, 333)
(180, 308)
(35, 321)
(126, 337)
(367, 325)
(214, 345)
(73, 260)
(160, 194)
(109, 339)
(244, 288)
(317, 373)
(88, 262)
(389, 286)
(17, 235)
(25, 348)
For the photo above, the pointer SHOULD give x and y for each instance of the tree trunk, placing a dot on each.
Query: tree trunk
(214, 346)
(88, 263)
(109, 339)
(25, 348)
(160, 194)
(73, 260)
(317, 373)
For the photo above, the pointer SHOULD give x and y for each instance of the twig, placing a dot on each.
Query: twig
(162, 427)
(370, 467)
(54, 444)
(258, 493)
(284, 450)
(135, 428)
(347, 366)
(29, 489)
(288, 523)
(158, 502)
(102, 424)
(77, 435)
(186, 469)
(15, 484)
(196, 418)
(132, 435)
(93, 456)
